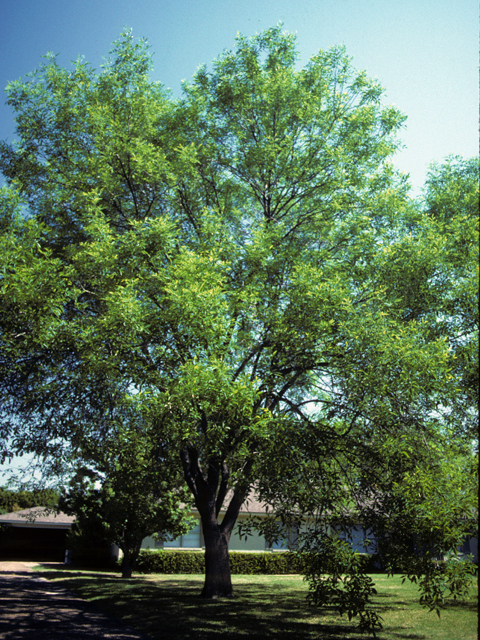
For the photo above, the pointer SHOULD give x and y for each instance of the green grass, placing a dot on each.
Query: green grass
(168, 607)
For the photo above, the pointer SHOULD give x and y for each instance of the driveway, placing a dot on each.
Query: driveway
(32, 607)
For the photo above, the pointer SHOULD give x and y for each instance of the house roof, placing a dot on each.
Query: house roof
(251, 506)
(38, 517)
(45, 517)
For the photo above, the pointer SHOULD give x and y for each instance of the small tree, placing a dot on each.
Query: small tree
(132, 495)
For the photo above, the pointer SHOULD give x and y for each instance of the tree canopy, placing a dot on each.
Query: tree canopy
(241, 269)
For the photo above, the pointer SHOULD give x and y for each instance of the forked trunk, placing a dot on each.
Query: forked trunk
(210, 491)
(218, 581)
(126, 566)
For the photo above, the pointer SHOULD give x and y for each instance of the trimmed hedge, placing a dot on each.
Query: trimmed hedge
(370, 563)
(241, 562)
(266, 563)
(250, 563)
(160, 561)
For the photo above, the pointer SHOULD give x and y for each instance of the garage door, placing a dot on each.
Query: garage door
(30, 543)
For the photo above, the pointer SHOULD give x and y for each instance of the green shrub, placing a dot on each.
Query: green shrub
(161, 561)
(263, 562)
(250, 563)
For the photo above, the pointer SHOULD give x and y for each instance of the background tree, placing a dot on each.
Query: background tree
(225, 260)
(11, 501)
(132, 496)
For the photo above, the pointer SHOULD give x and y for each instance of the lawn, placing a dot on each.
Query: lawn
(167, 607)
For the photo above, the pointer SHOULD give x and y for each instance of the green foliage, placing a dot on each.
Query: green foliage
(246, 563)
(451, 200)
(266, 563)
(17, 500)
(241, 276)
(337, 577)
(441, 581)
(436, 509)
(134, 494)
(159, 561)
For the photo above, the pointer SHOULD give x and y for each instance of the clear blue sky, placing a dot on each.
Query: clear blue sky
(424, 52)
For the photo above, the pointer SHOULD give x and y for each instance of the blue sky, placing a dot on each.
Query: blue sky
(424, 52)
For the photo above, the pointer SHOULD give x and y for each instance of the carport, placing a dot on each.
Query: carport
(34, 534)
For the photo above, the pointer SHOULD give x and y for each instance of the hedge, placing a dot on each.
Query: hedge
(250, 563)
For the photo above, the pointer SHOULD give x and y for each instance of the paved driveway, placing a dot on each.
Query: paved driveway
(32, 607)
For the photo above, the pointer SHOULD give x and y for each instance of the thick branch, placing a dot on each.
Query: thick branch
(238, 498)
(189, 459)
(223, 488)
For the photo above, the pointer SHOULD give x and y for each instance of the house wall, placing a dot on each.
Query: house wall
(470, 547)
(194, 540)
(357, 538)
(256, 542)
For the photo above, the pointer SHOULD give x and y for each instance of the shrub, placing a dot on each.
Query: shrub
(263, 562)
(161, 561)
(250, 563)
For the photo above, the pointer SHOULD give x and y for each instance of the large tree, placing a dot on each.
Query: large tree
(224, 262)
(452, 205)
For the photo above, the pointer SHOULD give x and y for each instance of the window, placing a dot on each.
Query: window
(286, 542)
(280, 545)
(191, 540)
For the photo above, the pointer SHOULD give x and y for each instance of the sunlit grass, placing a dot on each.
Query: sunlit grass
(168, 607)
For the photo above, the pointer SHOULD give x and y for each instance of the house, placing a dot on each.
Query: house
(255, 542)
(40, 534)
(470, 548)
(194, 538)
(34, 534)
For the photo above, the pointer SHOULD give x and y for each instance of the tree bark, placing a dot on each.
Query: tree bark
(127, 567)
(218, 581)
(209, 491)
(130, 557)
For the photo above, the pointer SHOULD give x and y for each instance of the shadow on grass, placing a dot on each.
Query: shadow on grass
(387, 602)
(171, 608)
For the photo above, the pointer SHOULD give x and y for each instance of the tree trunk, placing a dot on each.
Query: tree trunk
(218, 581)
(130, 557)
(210, 491)
(127, 567)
